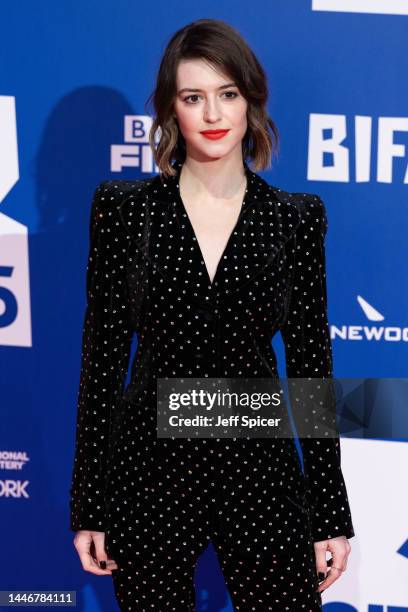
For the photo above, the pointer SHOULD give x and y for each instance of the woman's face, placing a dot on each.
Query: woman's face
(206, 100)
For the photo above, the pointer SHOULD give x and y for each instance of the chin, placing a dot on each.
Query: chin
(215, 152)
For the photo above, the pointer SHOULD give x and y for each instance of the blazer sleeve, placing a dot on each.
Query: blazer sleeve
(106, 342)
(308, 350)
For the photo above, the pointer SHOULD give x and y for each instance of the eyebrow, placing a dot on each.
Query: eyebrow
(192, 88)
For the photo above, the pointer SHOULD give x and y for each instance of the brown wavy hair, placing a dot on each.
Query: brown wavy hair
(219, 44)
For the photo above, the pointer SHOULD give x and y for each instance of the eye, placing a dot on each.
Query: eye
(189, 97)
(231, 96)
(234, 94)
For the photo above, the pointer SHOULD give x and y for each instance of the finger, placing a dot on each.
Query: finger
(101, 555)
(320, 556)
(332, 576)
(111, 564)
(108, 564)
(90, 565)
(346, 560)
(83, 545)
(337, 564)
(339, 557)
(100, 552)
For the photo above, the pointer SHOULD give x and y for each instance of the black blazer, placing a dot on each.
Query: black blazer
(146, 275)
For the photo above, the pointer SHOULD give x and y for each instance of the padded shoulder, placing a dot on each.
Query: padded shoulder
(311, 207)
(118, 190)
(108, 198)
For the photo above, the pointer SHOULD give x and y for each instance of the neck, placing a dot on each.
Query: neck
(218, 179)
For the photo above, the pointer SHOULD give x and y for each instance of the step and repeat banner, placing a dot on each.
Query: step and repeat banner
(74, 81)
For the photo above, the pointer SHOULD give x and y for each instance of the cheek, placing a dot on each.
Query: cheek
(187, 120)
(238, 116)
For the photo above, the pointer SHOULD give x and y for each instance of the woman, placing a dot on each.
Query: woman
(206, 262)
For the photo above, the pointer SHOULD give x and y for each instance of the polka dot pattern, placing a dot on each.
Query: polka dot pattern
(162, 499)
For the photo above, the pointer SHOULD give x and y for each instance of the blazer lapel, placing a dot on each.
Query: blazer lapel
(265, 224)
(157, 222)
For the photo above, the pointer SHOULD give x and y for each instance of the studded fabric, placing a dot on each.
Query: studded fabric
(161, 499)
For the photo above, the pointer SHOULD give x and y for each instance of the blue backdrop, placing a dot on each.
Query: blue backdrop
(74, 79)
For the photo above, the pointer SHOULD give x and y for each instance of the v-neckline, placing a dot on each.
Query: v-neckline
(212, 283)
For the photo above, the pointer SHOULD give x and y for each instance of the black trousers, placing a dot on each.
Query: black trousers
(282, 584)
(228, 497)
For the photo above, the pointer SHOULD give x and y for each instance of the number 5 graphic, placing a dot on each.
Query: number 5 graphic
(15, 313)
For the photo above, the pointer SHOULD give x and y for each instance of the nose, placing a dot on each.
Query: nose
(212, 113)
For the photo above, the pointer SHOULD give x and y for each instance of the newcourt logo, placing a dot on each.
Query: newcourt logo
(374, 332)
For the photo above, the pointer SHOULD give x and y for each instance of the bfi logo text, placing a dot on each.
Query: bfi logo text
(136, 152)
(329, 158)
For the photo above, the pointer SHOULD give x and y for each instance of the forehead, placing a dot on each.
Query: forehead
(199, 73)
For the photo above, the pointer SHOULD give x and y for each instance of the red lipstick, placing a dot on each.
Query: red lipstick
(214, 134)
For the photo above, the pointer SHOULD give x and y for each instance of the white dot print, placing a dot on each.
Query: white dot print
(161, 501)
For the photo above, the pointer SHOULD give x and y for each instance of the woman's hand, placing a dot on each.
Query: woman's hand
(340, 550)
(90, 546)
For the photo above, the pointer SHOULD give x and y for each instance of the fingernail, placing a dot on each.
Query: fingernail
(321, 575)
(102, 564)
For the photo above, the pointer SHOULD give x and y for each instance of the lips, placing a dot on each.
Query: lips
(214, 134)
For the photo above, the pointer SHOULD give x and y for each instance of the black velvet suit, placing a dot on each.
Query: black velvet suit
(146, 275)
